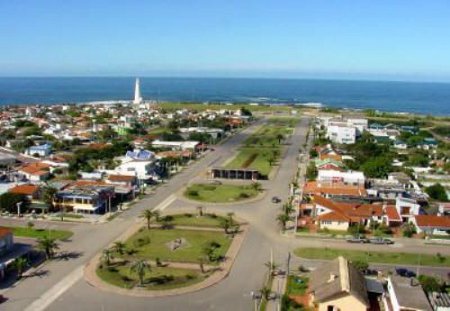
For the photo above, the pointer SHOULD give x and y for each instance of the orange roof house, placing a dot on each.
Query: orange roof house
(29, 189)
(332, 190)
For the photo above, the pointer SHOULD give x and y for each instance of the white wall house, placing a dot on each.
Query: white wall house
(341, 134)
(407, 208)
(142, 169)
(349, 177)
(41, 150)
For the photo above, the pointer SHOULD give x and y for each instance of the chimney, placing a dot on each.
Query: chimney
(332, 277)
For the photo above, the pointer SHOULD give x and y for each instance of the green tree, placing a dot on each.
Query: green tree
(378, 167)
(282, 220)
(280, 137)
(48, 194)
(430, 283)
(437, 192)
(311, 171)
(20, 264)
(360, 264)
(140, 267)
(408, 229)
(107, 256)
(148, 215)
(48, 246)
(119, 247)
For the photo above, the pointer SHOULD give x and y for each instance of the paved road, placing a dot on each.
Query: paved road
(73, 293)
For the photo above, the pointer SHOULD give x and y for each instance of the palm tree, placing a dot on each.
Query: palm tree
(265, 292)
(20, 264)
(280, 138)
(288, 208)
(225, 224)
(107, 256)
(139, 267)
(149, 215)
(48, 246)
(119, 247)
(48, 195)
(282, 220)
(230, 217)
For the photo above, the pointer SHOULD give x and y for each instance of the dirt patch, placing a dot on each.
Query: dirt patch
(249, 160)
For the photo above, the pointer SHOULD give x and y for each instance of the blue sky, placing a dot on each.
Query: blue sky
(382, 39)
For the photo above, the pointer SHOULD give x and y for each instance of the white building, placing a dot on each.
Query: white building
(341, 134)
(407, 208)
(404, 295)
(137, 93)
(176, 145)
(349, 177)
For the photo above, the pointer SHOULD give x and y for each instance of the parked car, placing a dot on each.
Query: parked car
(358, 239)
(405, 272)
(3, 299)
(276, 200)
(381, 241)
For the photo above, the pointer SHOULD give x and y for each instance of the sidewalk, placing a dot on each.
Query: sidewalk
(278, 287)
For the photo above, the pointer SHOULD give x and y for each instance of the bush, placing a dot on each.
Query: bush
(244, 195)
(356, 230)
(193, 193)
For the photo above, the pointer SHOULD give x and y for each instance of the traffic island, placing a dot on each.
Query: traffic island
(223, 193)
(160, 262)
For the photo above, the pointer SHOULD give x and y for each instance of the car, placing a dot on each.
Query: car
(405, 272)
(276, 200)
(357, 239)
(3, 299)
(381, 241)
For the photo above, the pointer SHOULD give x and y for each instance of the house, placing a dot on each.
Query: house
(85, 197)
(140, 154)
(329, 164)
(432, 224)
(32, 192)
(405, 294)
(407, 208)
(35, 172)
(428, 143)
(399, 144)
(341, 134)
(338, 285)
(142, 169)
(354, 178)
(41, 150)
(440, 301)
(177, 145)
(328, 190)
(391, 216)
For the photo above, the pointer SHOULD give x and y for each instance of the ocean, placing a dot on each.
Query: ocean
(424, 98)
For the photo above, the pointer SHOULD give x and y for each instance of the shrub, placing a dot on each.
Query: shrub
(244, 195)
(193, 193)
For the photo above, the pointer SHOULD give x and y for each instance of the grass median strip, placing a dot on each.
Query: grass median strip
(396, 258)
(40, 233)
(222, 193)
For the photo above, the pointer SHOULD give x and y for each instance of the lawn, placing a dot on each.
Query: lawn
(375, 256)
(154, 243)
(40, 233)
(296, 285)
(193, 220)
(262, 149)
(159, 278)
(222, 193)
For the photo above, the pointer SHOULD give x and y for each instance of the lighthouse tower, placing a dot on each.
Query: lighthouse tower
(137, 93)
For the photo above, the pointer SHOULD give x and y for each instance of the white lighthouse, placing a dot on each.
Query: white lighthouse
(137, 93)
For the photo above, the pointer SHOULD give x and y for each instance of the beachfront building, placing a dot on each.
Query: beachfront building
(341, 133)
(86, 199)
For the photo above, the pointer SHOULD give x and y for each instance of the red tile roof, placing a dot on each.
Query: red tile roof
(312, 187)
(24, 189)
(121, 178)
(38, 168)
(433, 221)
(392, 214)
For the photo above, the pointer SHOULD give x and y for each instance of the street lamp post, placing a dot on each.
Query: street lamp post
(18, 208)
